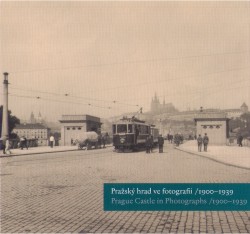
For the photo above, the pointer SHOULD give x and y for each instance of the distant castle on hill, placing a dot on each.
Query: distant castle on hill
(167, 110)
(158, 108)
(34, 120)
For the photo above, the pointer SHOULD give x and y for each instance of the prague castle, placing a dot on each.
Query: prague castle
(158, 108)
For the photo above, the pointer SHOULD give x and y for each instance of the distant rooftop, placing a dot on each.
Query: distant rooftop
(80, 118)
(209, 116)
(30, 126)
(233, 110)
(244, 105)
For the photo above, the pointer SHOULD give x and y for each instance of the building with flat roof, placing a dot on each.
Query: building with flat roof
(74, 126)
(215, 125)
(33, 131)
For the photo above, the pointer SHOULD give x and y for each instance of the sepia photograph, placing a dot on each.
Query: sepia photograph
(99, 99)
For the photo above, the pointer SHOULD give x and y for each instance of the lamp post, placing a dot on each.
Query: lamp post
(5, 122)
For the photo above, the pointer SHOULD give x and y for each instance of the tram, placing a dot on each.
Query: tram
(130, 134)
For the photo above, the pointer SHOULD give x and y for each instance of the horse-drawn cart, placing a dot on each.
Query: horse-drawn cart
(87, 141)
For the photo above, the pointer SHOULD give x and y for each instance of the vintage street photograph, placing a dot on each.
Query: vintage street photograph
(104, 92)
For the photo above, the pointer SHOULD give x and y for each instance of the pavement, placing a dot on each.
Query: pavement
(229, 155)
(41, 150)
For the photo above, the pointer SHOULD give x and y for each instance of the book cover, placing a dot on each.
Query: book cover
(124, 117)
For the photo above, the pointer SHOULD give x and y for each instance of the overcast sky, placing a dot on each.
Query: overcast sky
(192, 53)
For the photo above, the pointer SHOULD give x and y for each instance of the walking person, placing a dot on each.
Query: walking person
(161, 143)
(177, 139)
(99, 140)
(51, 141)
(148, 145)
(240, 139)
(23, 143)
(205, 142)
(199, 141)
(4, 138)
(104, 141)
(7, 146)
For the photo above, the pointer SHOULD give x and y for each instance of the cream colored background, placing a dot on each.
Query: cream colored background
(192, 53)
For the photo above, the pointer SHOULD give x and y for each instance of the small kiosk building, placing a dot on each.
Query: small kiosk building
(74, 126)
(215, 125)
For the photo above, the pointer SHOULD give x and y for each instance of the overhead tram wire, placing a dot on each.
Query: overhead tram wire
(130, 62)
(47, 99)
(60, 101)
(114, 101)
(73, 96)
(165, 80)
(195, 92)
(216, 91)
(176, 78)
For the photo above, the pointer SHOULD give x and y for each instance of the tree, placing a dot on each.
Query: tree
(242, 124)
(13, 121)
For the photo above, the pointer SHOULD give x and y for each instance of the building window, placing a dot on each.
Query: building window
(211, 126)
(74, 128)
(218, 126)
(68, 128)
(204, 126)
(79, 128)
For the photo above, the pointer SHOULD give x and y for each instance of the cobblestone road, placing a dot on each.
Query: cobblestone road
(63, 192)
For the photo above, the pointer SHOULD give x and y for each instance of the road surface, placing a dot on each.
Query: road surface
(63, 192)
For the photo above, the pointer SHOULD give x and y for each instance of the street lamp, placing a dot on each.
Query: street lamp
(5, 124)
(5, 81)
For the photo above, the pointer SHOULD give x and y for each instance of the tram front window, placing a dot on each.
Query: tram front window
(122, 128)
(130, 128)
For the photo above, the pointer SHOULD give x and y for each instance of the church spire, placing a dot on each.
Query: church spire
(32, 118)
(39, 118)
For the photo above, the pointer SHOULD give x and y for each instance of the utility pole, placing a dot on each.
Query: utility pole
(5, 122)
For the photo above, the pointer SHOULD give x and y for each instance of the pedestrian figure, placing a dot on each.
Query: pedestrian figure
(168, 137)
(177, 139)
(7, 146)
(240, 139)
(51, 141)
(99, 140)
(161, 143)
(148, 144)
(199, 141)
(205, 142)
(4, 138)
(72, 141)
(171, 138)
(23, 143)
(104, 138)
